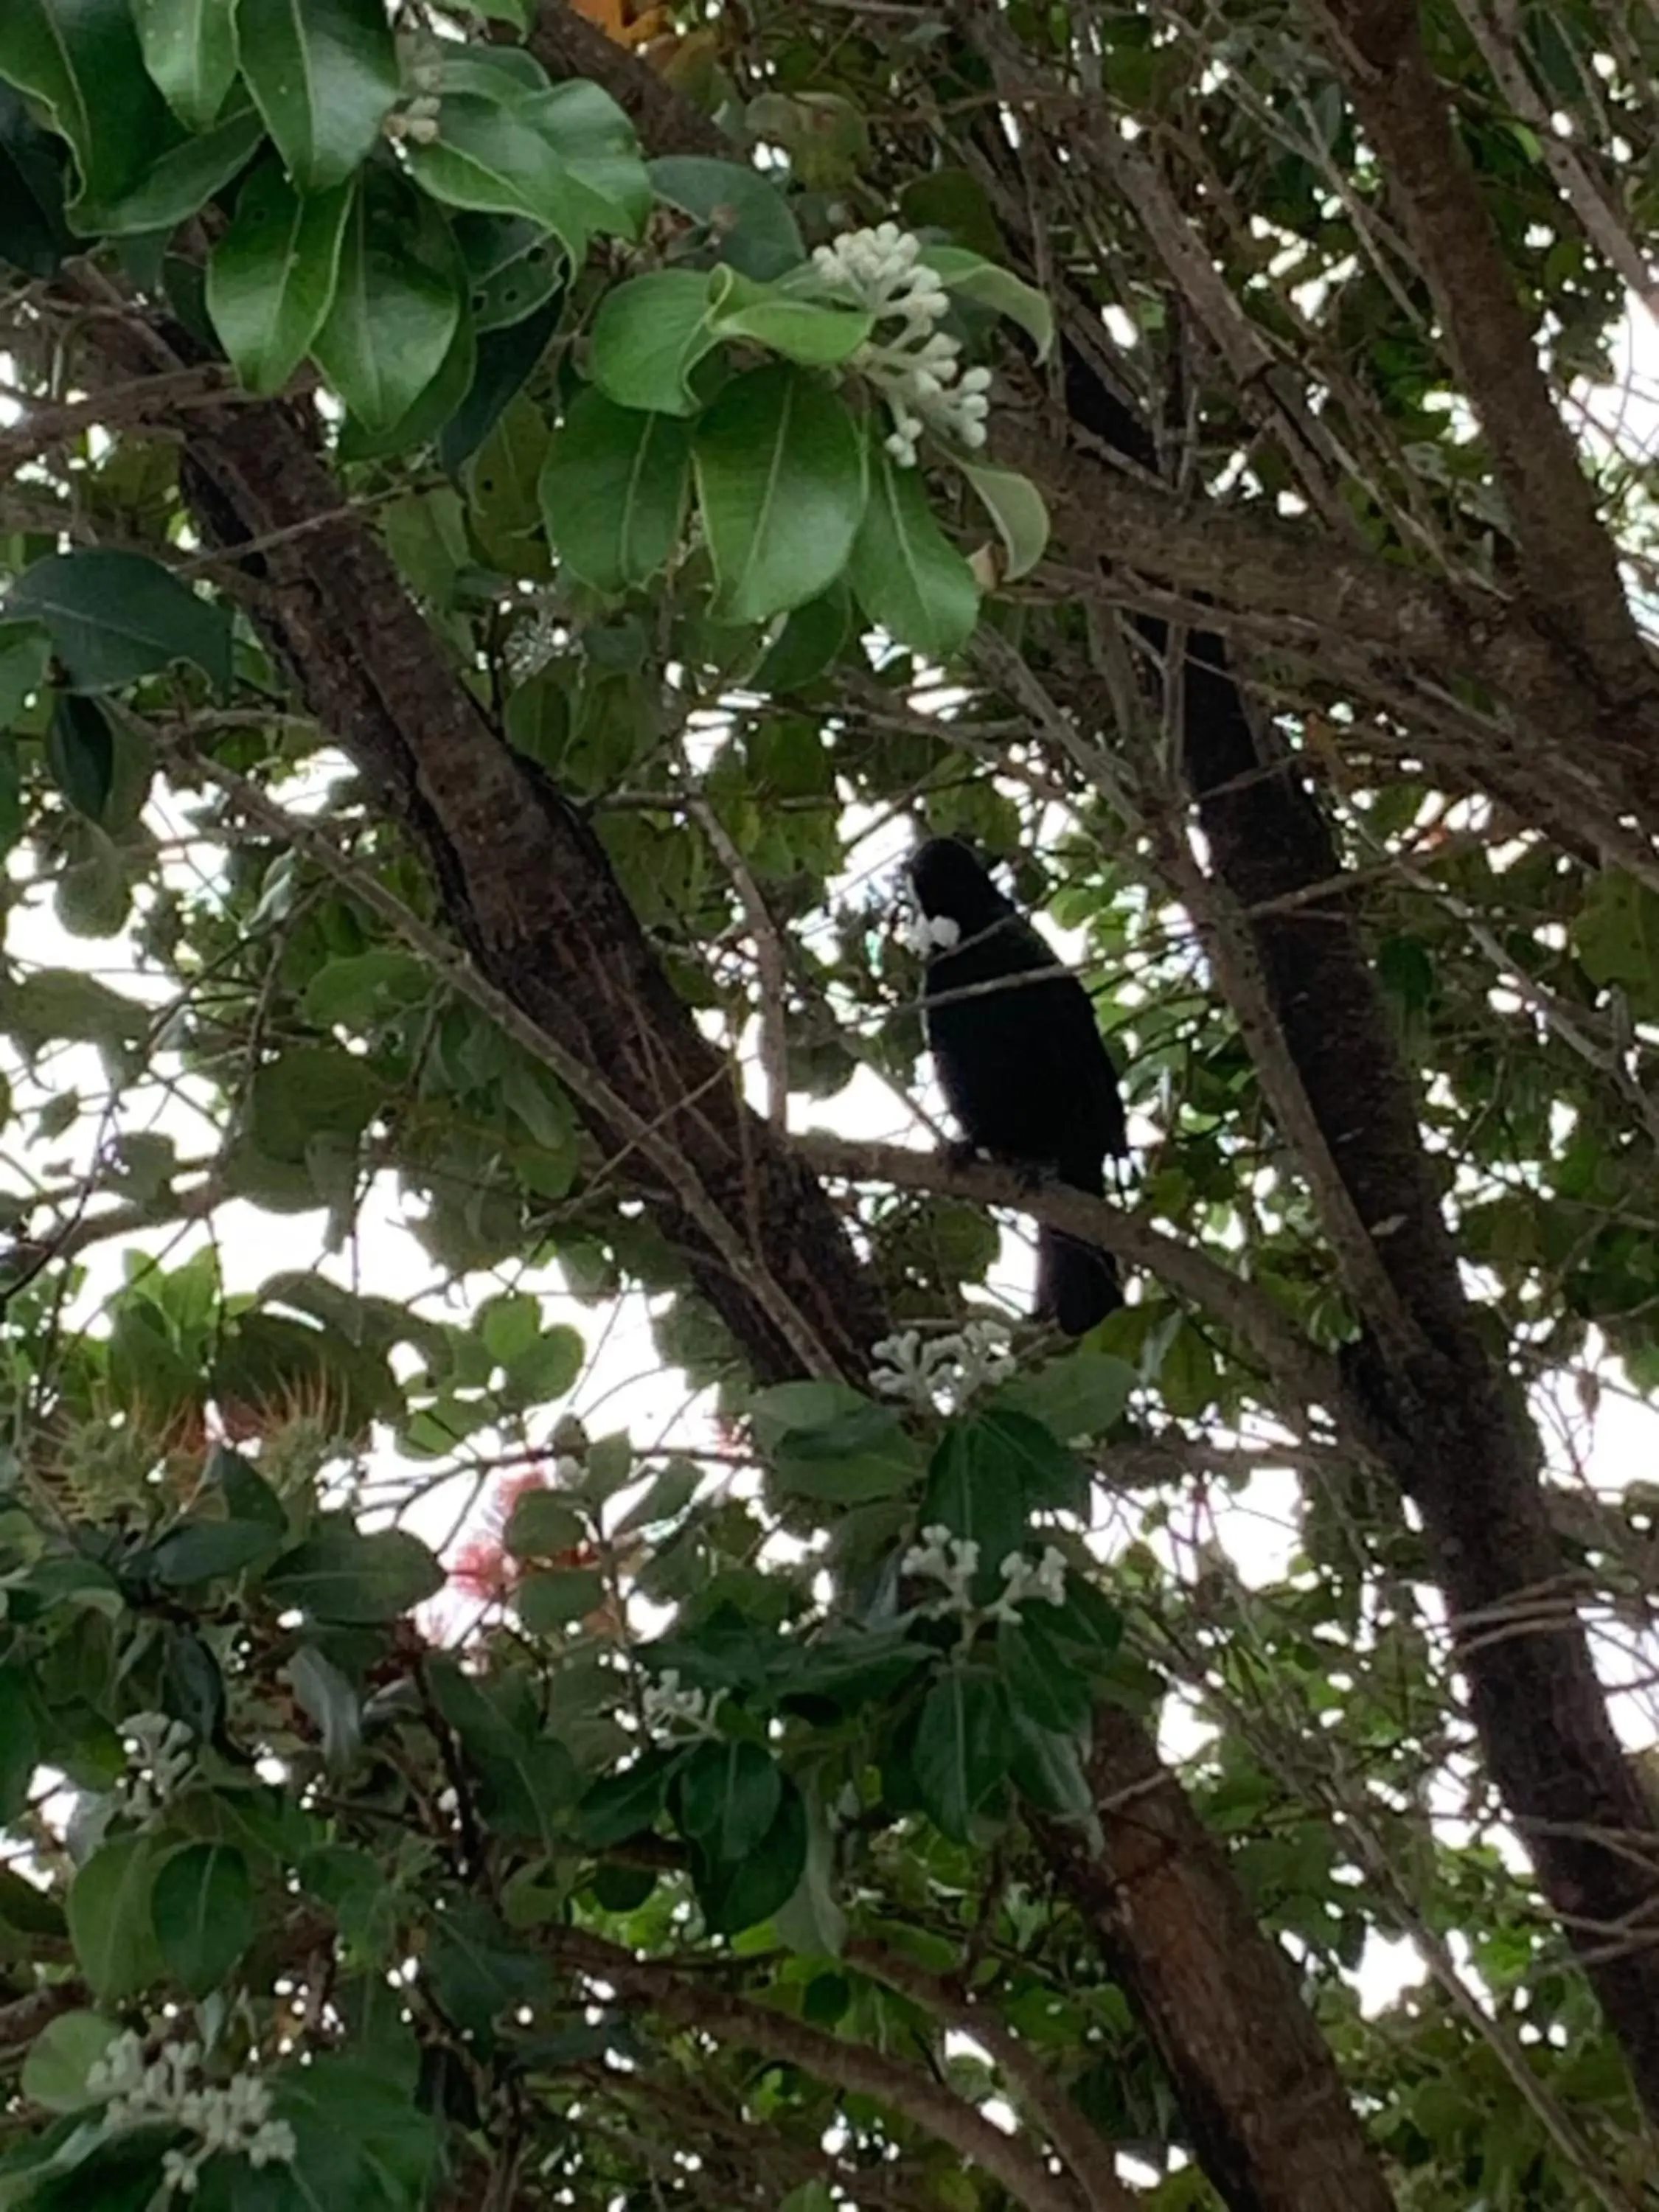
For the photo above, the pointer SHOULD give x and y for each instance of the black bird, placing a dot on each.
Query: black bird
(1024, 1070)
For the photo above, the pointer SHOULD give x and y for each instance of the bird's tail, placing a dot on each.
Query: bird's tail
(1076, 1284)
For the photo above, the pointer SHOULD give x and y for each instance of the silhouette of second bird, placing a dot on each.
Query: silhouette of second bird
(1024, 1069)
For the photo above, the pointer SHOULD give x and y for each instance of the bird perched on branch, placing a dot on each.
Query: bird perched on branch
(1022, 1064)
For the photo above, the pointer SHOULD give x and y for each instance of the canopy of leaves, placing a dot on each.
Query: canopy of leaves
(486, 599)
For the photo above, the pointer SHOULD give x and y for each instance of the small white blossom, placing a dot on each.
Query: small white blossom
(532, 644)
(943, 1370)
(924, 934)
(161, 1753)
(1021, 1580)
(233, 2118)
(916, 369)
(950, 1560)
(668, 1708)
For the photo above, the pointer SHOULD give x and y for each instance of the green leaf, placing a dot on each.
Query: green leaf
(504, 361)
(1042, 1685)
(745, 217)
(975, 1493)
(905, 573)
(541, 1525)
(202, 1548)
(397, 303)
(1047, 1768)
(512, 267)
(625, 1805)
(309, 1092)
(59, 1003)
(34, 234)
(80, 753)
(1082, 1395)
(807, 331)
(185, 178)
(1017, 507)
(665, 1500)
(270, 278)
(964, 1740)
(190, 51)
(324, 75)
(557, 1597)
(327, 1697)
(25, 652)
(20, 1743)
(736, 1895)
(594, 139)
(545, 1368)
(780, 468)
(613, 491)
(60, 2059)
(729, 1794)
(27, 1910)
(109, 1918)
(974, 278)
(364, 988)
(1615, 934)
(342, 1575)
(115, 617)
(492, 159)
(649, 335)
(202, 1910)
(809, 643)
(82, 60)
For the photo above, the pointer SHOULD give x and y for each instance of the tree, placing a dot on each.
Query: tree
(508, 509)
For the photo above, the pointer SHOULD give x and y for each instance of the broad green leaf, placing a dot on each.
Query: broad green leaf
(746, 218)
(60, 1003)
(626, 1804)
(80, 753)
(324, 75)
(974, 1490)
(25, 651)
(34, 233)
(20, 1743)
(512, 267)
(28, 1909)
(1042, 1685)
(326, 1696)
(183, 179)
(495, 160)
(200, 1549)
(1082, 1395)
(363, 988)
(427, 413)
(595, 140)
(736, 1895)
(60, 2059)
(789, 1409)
(541, 1525)
(342, 1575)
(649, 334)
(964, 1740)
(613, 491)
(907, 574)
(546, 1368)
(998, 288)
(1047, 1475)
(728, 1796)
(190, 51)
(781, 483)
(809, 643)
(1046, 1767)
(270, 278)
(557, 1596)
(109, 1918)
(115, 617)
(1015, 506)
(666, 1499)
(309, 1092)
(82, 60)
(202, 1912)
(806, 330)
(397, 304)
(1615, 934)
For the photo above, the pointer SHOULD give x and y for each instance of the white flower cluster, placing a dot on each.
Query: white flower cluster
(916, 368)
(668, 1707)
(941, 1369)
(942, 934)
(233, 2119)
(1021, 1580)
(532, 644)
(953, 1561)
(161, 1753)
